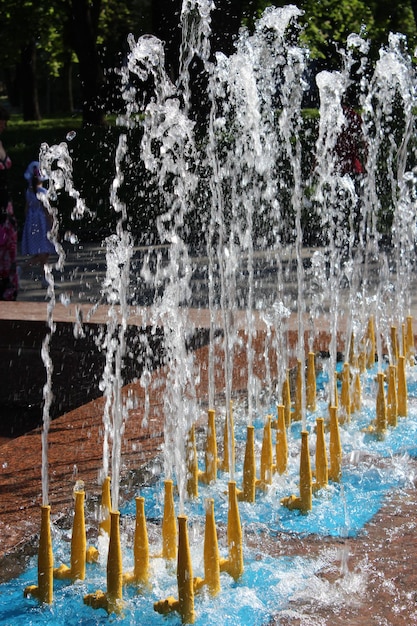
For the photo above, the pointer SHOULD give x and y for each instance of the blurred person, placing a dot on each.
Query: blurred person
(35, 240)
(9, 282)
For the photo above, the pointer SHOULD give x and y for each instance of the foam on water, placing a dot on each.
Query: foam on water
(266, 586)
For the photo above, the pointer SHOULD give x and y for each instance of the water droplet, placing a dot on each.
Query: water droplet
(71, 135)
(65, 299)
(71, 237)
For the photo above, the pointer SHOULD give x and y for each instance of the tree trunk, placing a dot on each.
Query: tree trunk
(85, 17)
(67, 78)
(30, 102)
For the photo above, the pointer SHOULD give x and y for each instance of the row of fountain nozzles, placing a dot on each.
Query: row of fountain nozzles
(112, 599)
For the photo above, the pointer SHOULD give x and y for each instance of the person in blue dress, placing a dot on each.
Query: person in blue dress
(35, 240)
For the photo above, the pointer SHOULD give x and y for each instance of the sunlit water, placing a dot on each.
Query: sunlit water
(258, 186)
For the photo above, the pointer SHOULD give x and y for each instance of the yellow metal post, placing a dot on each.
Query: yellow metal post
(321, 457)
(304, 502)
(210, 473)
(249, 468)
(392, 400)
(281, 445)
(169, 526)
(311, 382)
(44, 590)
(335, 447)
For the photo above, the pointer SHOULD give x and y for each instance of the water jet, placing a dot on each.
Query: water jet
(268, 301)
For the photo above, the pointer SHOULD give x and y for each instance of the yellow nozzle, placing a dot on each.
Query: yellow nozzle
(78, 544)
(210, 473)
(345, 398)
(304, 502)
(321, 457)
(352, 357)
(192, 465)
(311, 382)
(281, 445)
(185, 603)
(356, 388)
(298, 405)
(233, 565)
(335, 401)
(371, 344)
(44, 590)
(169, 526)
(229, 442)
(185, 574)
(105, 508)
(381, 406)
(140, 575)
(335, 447)
(379, 426)
(111, 601)
(114, 564)
(286, 399)
(249, 468)
(409, 340)
(266, 457)
(211, 551)
(394, 344)
(402, 388)
(392, 400)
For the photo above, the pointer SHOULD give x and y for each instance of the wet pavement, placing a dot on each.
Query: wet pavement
(275, 277)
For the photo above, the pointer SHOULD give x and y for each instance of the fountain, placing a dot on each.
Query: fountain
(270, 300)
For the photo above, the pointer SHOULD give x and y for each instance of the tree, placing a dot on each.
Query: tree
(19, 33)
(84, 19)
(93, 34)
(30, 100)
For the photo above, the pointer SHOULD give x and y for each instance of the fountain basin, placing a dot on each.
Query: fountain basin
(342, 565)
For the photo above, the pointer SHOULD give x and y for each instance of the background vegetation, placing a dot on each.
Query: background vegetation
(59, 63)
(63, 55)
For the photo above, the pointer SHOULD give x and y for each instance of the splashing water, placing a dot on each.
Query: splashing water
(250, 170)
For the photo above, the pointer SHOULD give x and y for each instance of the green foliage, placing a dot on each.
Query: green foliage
(329, 22)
